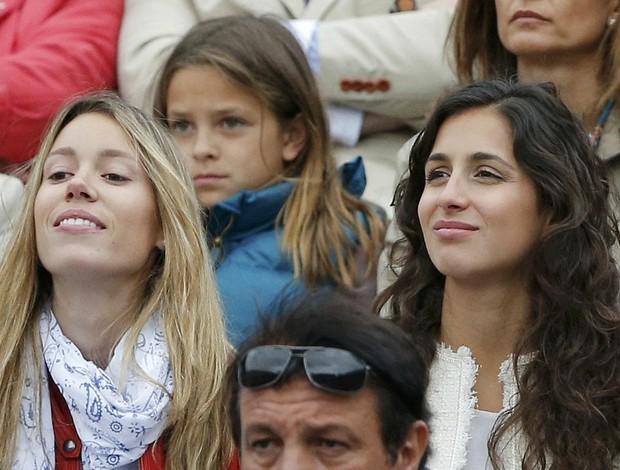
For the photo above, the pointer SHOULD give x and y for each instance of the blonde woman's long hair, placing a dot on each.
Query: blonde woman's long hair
(320, 218)
(181, 285)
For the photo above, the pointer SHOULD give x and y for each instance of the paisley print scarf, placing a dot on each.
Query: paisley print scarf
(117, 412)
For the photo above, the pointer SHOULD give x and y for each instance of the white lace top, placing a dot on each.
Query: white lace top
(452, 403)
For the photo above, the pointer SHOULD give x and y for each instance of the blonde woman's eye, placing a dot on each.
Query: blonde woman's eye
(115, 177)
(58, 176)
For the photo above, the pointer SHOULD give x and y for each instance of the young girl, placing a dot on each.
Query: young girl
(241, 101)
(112, 345)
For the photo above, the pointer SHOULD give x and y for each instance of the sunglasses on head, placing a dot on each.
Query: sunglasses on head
(330, 369)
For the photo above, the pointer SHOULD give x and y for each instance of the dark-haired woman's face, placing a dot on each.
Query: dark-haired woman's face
(479, 211)
(565, 27)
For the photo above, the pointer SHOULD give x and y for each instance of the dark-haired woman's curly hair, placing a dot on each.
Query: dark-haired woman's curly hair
(569, 406)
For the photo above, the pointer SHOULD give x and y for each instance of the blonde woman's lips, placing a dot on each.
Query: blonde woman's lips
(77, 220)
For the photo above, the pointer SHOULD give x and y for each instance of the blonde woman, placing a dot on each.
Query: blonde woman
(112, 328)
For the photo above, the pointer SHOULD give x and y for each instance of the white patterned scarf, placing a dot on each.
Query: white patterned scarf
(116, 422)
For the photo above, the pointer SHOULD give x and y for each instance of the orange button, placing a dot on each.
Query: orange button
(370, 86)
(358, 85)
(383, 85)
(345, 84)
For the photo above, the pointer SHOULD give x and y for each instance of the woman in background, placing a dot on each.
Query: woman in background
(573, 43)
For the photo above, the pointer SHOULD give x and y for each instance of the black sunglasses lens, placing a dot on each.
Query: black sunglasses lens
(335, 370)
(263, 366)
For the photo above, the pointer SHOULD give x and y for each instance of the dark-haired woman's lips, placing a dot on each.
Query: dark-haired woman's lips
(450, 229)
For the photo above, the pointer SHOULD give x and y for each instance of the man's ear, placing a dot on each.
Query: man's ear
(414, 447)
(295, 138)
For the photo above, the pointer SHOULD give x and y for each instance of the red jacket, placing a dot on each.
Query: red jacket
(50, 50)
(68, 446)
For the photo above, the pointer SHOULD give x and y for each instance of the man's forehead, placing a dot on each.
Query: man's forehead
(298, 394)
(298, 408)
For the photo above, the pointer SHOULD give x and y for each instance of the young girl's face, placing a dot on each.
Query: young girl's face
(230, 139)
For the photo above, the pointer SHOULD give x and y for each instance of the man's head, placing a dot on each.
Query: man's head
(325, 386)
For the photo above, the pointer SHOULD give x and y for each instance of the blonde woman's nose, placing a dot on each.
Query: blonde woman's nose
(78, 188)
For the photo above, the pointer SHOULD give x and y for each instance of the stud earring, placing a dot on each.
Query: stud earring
(611, 21)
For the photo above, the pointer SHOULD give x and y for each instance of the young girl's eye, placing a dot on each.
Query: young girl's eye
(179, 126)
(232, 122)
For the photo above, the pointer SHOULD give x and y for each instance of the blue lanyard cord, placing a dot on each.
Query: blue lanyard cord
(597, 132)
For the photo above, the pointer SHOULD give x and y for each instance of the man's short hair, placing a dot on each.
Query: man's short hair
(399, 372)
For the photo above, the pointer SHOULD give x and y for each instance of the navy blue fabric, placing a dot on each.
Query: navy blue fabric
(254, 276)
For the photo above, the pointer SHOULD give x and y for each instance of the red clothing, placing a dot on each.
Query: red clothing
(68, 447)
(50, 51)
(67, 444)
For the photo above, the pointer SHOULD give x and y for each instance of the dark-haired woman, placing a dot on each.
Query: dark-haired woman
(508, 281)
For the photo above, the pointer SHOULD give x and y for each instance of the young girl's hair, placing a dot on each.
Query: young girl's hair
(180, 284)
(320, 217)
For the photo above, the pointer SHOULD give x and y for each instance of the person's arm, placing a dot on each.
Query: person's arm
(150, 30)
(392, 64)
(64, 48)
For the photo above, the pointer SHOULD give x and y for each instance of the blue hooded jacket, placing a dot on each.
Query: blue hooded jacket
(254, 275)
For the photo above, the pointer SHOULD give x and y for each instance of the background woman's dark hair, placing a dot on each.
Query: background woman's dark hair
(400, 374)
(569, 406)
(475, 44)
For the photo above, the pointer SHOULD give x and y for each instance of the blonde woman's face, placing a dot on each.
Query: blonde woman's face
(231, 141)
(539, 28)
(95, 212)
